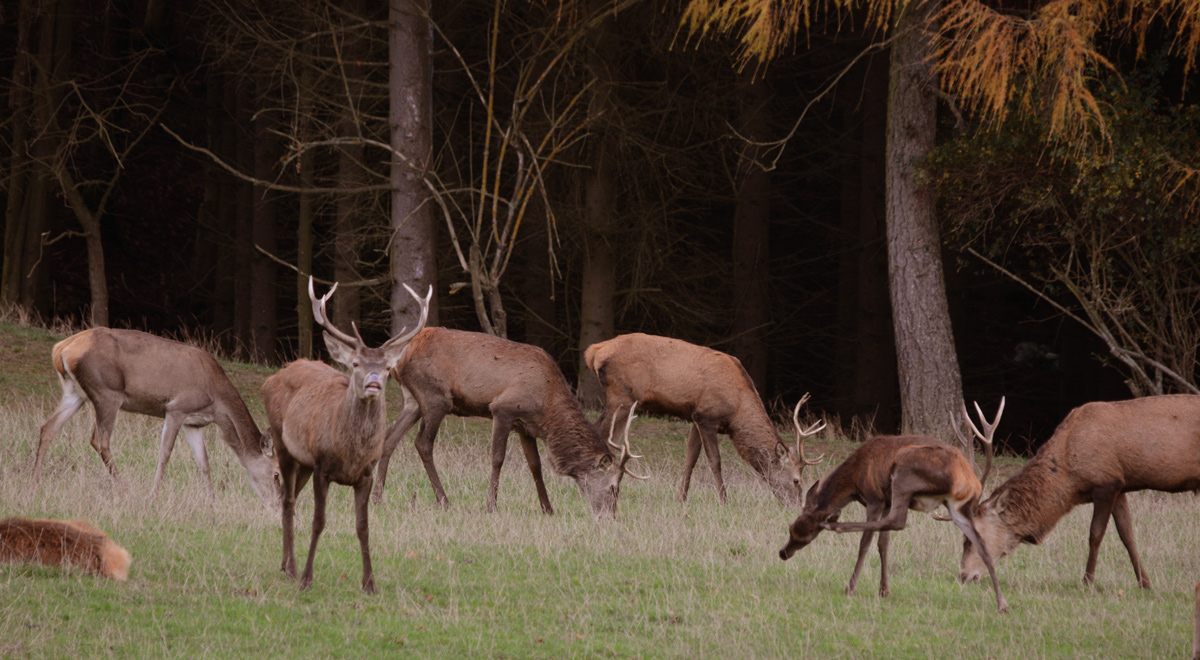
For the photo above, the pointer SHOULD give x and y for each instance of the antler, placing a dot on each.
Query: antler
(802, 433)
(989, 429)
(424, 303)
(322, 319)
(626, 451)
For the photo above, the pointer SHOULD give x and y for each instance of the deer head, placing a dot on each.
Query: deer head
(368, 366)
(787, 464)
(601, 486)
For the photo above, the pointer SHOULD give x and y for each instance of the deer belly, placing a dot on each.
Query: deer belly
(925, 503)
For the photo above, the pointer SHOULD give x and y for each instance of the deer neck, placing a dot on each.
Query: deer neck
(1036, 498)
(754, 438)
(238, 429)
(362, 418)
(574, 444)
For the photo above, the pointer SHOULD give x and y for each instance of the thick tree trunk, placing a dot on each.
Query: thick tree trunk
(599, 283)
(414, 234)
(930, 383)
(20, 169)
(225, 230)
(751, 235)
(243, 236)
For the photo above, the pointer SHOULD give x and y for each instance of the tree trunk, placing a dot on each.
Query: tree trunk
(599, 283)
(345, 308)
(751, 235)
(20, 169)
(263, 313)
(90, 221)
(930, 383)
(243, 235)
(225, 277)
(414, 235)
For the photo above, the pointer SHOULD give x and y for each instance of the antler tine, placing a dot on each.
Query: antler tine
(985, 437)
(802, 433)
(322, 319)
(626, 450)
(424, 303)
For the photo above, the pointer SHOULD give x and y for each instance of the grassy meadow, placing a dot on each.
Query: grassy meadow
(666, 579)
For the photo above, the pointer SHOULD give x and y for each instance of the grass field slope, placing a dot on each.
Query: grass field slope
(665, 579)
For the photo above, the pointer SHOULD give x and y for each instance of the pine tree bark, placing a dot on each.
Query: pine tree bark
(351, 173)
(930, 383)
(414, 234)
(751, 235)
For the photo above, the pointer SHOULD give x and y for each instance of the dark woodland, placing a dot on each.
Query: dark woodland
(563, 172)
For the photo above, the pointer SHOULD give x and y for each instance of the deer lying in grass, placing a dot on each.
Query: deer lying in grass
(141, 373)
(330, 427)
(890, 475)
(63, 543)
(708, 388)
(1100, 452)
(452, 372)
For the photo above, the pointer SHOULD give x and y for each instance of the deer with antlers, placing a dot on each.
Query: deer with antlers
(890, 475)
(710, 389)
(1100, 452)
(142, 373)
(330, 426)
(453, 372)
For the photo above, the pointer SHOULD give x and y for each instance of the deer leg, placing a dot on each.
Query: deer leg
(501, 426)
(395, 433)
(535, 467)
(362, 492)
(166, 445)
(72, 400)
(195, 439)
(884, 538)
(320, 494)
(895, 519)
(424, 442)
(874, 511)
(965, 522)
(287, 475)
(708, 437)
(106, 417)
(1103, 500)
(1124, 524)
(693, 454)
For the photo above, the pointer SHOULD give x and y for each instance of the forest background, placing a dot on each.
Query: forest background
(561, 172)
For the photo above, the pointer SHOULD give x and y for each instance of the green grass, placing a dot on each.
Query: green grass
(666, 579)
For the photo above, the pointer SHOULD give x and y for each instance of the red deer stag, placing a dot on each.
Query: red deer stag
(708, 388)
(141, 373)
(63, 543)
(890, 475)
(452, 372)
(330, 426)
(1100, 452)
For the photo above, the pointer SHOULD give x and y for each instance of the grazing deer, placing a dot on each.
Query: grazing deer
(890, 475)
(330, 426)
(708, 388)
(453, 372)
(141, 373)
(1100, 452)
(63, 543)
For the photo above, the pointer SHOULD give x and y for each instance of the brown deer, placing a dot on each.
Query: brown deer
(142, 373)
(708, 388)
(63, 543)
(330, 426)
(890, 475)
(453, 372)
(1100, 452)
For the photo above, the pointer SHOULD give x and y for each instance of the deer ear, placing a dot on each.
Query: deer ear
(781, 451)
(267, 442)
(606, 460)
(339, 350)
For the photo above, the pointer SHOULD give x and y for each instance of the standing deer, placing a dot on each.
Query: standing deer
(330, 427)
(141, 373)
(454, 372)
(708, 388)
(1100, 452)
(890, 475)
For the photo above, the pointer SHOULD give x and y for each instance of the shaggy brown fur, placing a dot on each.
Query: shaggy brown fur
(1100, 452)
(704, 386)
(63, 543)
(452, 372)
